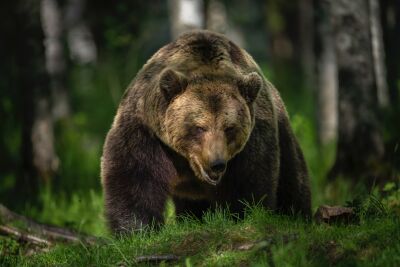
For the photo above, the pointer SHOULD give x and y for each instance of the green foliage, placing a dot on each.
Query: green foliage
(96, 92)
(80, 211)
(391, 197)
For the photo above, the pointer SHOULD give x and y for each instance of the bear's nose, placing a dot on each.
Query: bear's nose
(218, 165)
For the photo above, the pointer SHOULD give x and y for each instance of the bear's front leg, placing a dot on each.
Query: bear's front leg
(294, 194)
(135, 175)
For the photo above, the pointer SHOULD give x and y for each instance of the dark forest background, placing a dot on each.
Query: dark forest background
(64, 65)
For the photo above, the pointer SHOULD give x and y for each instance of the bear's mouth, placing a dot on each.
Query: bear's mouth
(202, 174)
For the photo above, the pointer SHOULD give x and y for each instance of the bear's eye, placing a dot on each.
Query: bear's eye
(198, 130)
(230, 132)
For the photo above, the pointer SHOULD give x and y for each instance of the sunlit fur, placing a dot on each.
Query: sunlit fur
(209, 120)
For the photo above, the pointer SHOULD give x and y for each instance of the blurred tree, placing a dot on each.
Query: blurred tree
(391, 32)
(327, 91)
(306, 36)
(248, 28)
(278, 15)
(217, 20)
(81, 45)
(27, 59)
(360, 145)
(120, 28)
(52, 24)
(10, 99)
(216, 16)
(82, 49)
(378, 53)
(186, 15)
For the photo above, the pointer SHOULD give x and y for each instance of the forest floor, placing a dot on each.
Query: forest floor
(262, 238)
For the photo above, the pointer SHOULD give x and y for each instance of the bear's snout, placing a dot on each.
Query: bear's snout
(216, 169)
(218, 166)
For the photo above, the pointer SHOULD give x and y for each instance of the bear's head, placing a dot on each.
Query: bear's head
(208, 119)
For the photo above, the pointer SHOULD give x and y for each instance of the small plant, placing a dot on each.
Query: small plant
(368, 207)
(391, 197)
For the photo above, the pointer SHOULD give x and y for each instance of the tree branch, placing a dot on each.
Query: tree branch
(47, 231)
(157, 258)
(19, 235)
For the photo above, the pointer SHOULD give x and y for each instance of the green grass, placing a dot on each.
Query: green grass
(219, 241)
(82, 212)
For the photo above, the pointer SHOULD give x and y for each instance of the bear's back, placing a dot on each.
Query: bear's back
(199, 53)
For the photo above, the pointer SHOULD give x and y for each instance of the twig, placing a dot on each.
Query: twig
(157, 258)
(256, 245)
(19, 235)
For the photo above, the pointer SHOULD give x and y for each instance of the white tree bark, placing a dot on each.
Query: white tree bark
(327, 91)
(52, 26)
(360, 146)
(44, 156)
(186, 15)
(378, 53)
(81, 45)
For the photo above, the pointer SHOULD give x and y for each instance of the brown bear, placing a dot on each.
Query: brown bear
(202, 125)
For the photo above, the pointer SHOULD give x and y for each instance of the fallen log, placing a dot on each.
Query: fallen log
(23, 236)
(47, 232)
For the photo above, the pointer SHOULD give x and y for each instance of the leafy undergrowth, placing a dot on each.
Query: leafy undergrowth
(260, 239)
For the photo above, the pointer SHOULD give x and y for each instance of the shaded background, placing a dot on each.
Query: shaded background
(66, 63)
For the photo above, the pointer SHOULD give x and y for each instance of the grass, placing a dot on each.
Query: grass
(81, 211)
(260, 239)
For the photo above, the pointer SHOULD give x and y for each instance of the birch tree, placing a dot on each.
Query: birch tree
(186, 15)
(360, 144)
(327, 83)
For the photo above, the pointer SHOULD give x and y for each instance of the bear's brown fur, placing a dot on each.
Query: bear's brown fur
(200, 124)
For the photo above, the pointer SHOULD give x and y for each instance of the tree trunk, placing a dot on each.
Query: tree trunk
(55, 62)
(81, 44)
(360, 145)
(327, 91)
(378, 53)
(217, 21)
(186, 15)
(306, 33)
(390, 10)
(216, 17)
(45, 159)
(38, 155)
(283, 37)
(396, 88)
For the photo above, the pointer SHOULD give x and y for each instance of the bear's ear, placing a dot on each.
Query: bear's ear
(249, 86)
(172, 83)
